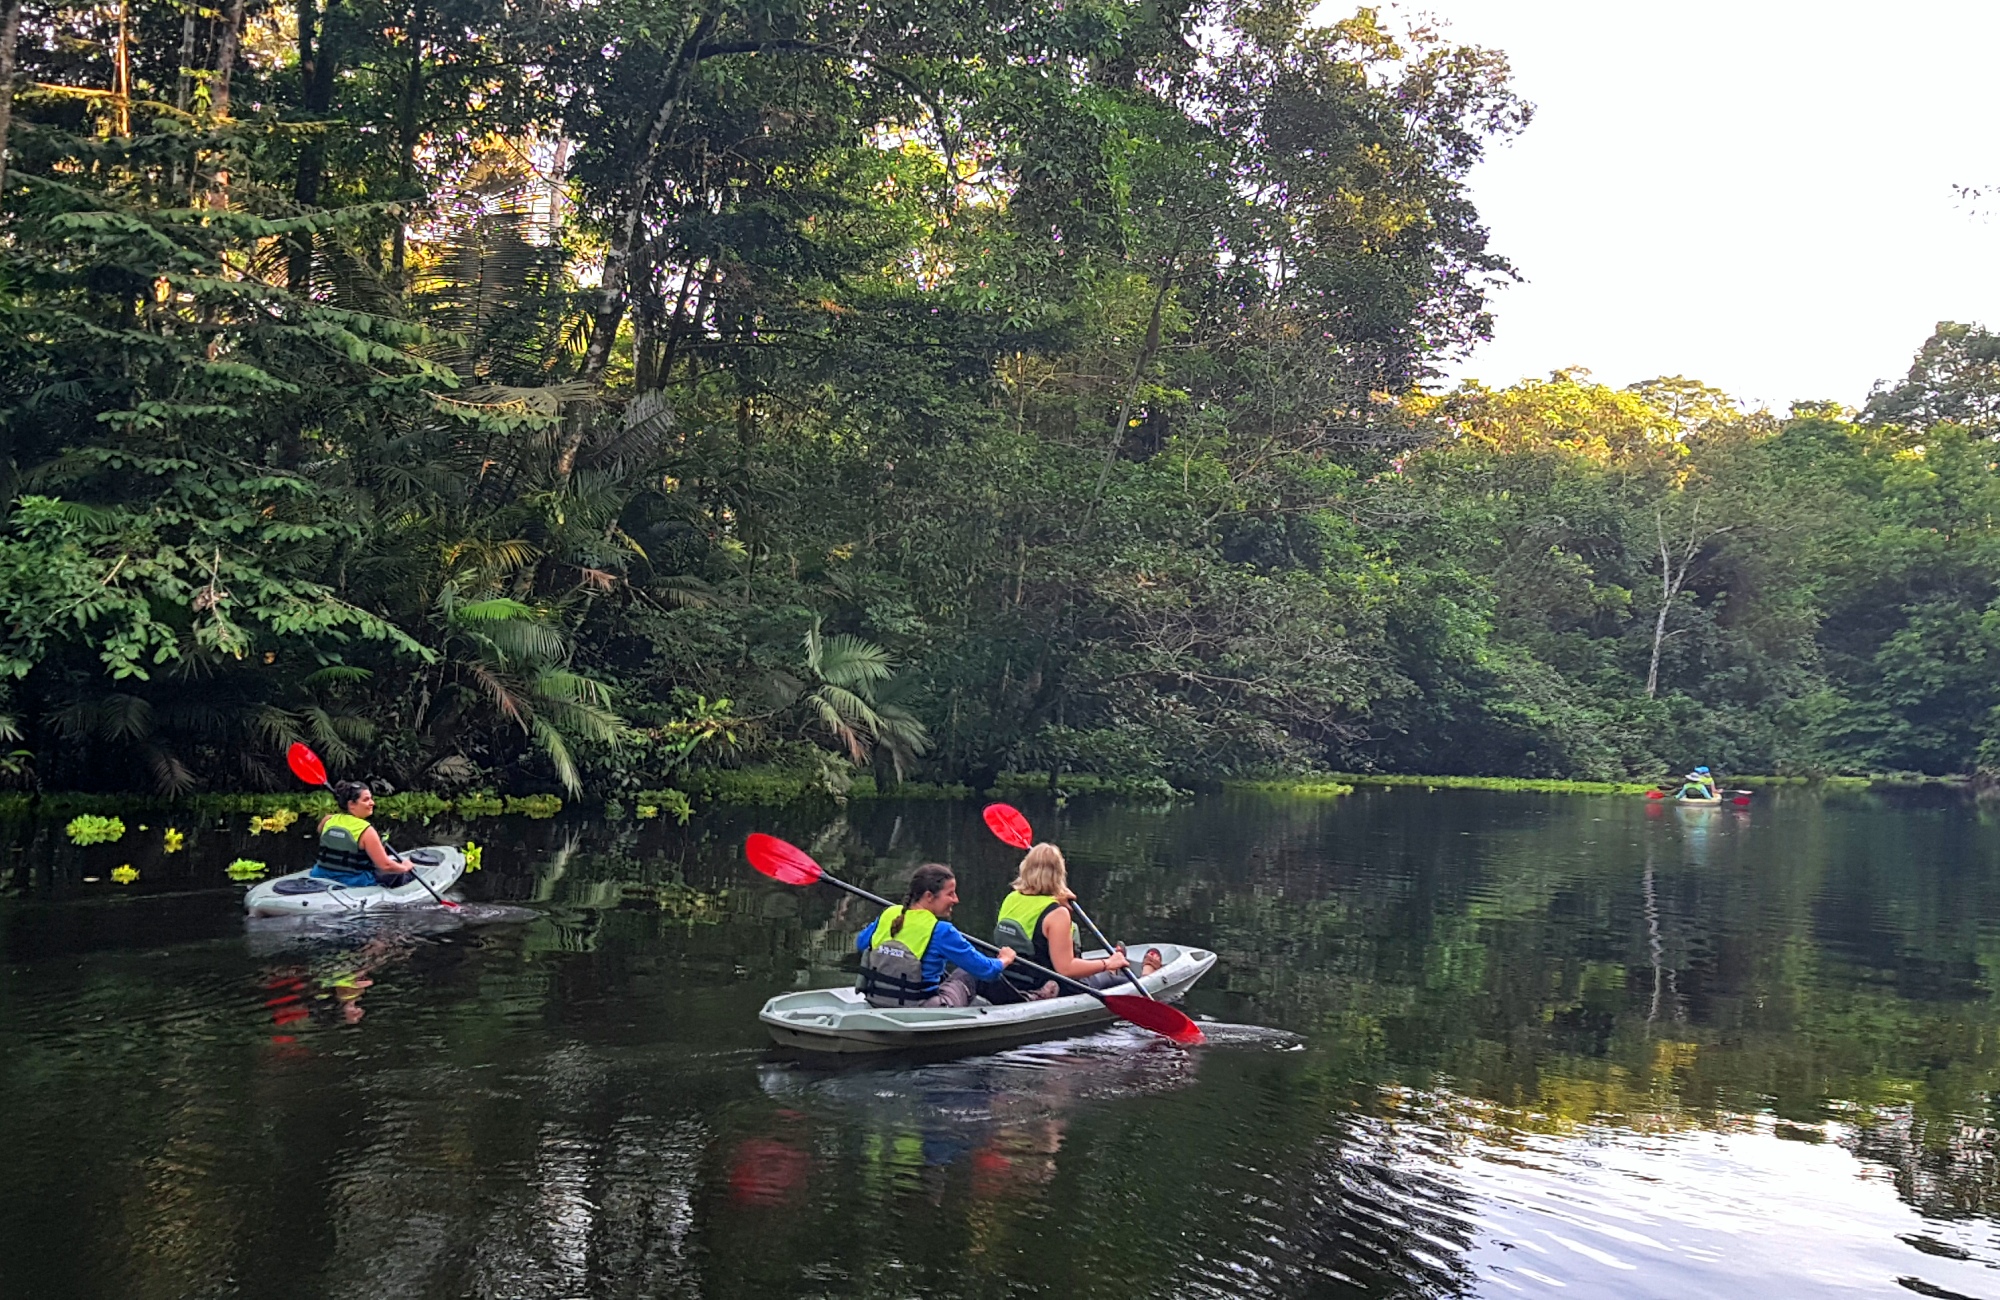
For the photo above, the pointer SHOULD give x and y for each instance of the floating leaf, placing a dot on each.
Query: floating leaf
(89, 829)
(274, 823)
(246, 869)
(175, 840)
(473, 853)
(125, 875)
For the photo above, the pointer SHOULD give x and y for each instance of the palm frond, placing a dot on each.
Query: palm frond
(848, 660)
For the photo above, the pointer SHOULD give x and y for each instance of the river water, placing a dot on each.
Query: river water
(1460, 1044)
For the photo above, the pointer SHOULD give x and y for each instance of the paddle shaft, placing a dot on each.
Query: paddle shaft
(980, 944)
(416, 875)
(1126, 971)
(1006, 822)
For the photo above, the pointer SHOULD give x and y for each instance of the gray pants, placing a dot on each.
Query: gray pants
(956, 989)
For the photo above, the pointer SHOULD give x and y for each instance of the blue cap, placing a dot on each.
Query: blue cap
(1702, 770)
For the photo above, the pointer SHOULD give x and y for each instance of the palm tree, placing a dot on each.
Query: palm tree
(516, 658)
(841, 690)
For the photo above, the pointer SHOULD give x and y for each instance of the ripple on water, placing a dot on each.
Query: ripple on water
(1690, 1215)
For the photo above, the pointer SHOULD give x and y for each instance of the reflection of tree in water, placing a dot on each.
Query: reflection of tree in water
(1083, 1164)
(1947, 1168)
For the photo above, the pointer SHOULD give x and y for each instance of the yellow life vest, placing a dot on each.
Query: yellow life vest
(340, 851)
(892, 968)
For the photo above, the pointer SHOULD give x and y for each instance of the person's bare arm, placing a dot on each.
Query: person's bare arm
(378, 852)
(1062, 952)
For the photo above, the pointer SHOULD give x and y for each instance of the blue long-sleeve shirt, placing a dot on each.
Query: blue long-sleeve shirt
(947, 948)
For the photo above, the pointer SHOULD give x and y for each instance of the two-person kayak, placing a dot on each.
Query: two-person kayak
(839, 1020)
(302, 893)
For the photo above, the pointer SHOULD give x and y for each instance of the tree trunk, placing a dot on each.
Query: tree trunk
(413, 98)
(317, 60)
(1147, 351)
(121, 73)
(225, 59)
(10, 31)
(183, 80)
(1668, 589)
(609, 309)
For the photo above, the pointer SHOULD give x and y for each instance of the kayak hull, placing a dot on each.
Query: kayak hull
(839, 1021)
(301, 894)
(1701, 803)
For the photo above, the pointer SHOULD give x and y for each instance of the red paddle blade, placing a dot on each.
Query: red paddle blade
(786, 863)
(1741, 801)
(1006, 821)
(1655, 794)
(1162, 1019)
(305, 764)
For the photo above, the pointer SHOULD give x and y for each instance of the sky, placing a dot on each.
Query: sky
(1758, 194)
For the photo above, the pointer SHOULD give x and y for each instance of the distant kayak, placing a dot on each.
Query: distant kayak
(1712, 802)
(304, 894)
(840, 1019)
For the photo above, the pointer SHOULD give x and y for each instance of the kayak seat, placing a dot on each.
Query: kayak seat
(303, 885)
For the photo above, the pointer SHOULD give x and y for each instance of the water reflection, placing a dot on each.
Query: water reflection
(1520, 1041)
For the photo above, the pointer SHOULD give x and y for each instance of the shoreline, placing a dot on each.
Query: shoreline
(779, 787)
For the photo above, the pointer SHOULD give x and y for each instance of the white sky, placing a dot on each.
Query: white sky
(1754, 193)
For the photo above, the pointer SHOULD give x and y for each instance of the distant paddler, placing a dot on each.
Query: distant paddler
(1698, 784)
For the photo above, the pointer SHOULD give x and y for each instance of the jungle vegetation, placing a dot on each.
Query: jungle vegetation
(510, 397)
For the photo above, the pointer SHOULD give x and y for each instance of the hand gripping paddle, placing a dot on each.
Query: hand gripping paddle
(306, 767)
(788, 864)
(1006, 821)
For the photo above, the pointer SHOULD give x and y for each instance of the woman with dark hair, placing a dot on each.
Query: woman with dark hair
(350, 850)
(913, 956)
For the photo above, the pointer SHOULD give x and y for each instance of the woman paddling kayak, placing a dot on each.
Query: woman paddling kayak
(1037, 915)
(913, 956)
(351, 851)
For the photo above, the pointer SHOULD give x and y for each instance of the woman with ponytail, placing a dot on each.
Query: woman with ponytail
(913, 956)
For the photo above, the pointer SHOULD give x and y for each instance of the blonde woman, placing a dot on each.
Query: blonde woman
(1037, 916)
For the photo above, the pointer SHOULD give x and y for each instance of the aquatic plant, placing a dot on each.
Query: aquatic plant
(647, 811)
(1513, 783)
(673, 803)
(410, 805)
(473, 853)
(537, 806)
(125, 874)
(1075, 783)
(90, 829)
(481, 804)
(684, 902)
(174, 840)
(246, 869)
(274, 822)
(1301, 788)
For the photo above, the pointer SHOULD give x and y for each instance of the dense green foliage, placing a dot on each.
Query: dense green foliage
(516, 399)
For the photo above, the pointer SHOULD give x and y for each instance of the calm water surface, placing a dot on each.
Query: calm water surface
(1466, 1044)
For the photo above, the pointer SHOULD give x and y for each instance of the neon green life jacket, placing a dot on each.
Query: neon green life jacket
(1020, 928)
(340, 851)
(892, 968)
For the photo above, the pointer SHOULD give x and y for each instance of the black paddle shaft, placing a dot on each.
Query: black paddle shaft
(980, 944)
(1108, 947)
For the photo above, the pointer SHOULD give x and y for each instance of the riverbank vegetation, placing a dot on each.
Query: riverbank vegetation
(523, 401)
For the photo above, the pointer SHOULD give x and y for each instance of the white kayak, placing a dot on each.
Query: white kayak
(304, 894)
(840, 1019)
